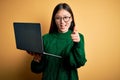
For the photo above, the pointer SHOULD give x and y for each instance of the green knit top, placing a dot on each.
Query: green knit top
(65, 68)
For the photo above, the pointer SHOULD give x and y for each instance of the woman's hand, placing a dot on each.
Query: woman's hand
(75, 35)
(37, 56)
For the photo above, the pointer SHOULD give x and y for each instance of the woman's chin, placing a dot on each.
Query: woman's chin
(63, 31)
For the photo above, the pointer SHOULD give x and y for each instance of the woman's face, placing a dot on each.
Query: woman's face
(63, 20)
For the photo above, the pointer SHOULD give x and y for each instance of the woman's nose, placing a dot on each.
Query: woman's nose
(61, 20)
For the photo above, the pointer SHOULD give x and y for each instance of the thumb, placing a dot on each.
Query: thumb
(74, 29)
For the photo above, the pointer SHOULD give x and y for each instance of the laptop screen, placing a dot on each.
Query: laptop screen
(28, 36)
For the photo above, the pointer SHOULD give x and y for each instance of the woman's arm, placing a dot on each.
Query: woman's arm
(76, 54)
(38, 64)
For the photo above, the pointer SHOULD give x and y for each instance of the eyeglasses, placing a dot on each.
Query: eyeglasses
(66, 18)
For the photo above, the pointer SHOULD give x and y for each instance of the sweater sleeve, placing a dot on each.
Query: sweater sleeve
(76, 54)
(38, 67)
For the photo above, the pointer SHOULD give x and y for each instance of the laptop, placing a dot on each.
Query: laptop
(28, 36)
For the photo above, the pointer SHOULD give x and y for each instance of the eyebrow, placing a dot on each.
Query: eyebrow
(62, 16)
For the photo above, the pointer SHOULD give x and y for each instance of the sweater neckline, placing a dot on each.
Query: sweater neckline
(63, 35)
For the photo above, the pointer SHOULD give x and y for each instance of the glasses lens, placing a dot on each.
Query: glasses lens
(66, 19)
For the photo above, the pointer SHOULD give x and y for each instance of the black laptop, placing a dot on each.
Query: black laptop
(28, 37)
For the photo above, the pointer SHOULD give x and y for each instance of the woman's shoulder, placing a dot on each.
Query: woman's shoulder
(47, 35)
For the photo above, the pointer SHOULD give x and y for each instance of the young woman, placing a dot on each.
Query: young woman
(64, 41)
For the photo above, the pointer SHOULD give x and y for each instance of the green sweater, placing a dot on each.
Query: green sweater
(65, 68)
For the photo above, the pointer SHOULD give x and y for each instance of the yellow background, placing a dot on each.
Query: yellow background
(98, 20)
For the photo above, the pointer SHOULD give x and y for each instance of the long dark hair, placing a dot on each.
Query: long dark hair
(53, 26)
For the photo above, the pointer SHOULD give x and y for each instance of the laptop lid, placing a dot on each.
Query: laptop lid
(28, 36)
